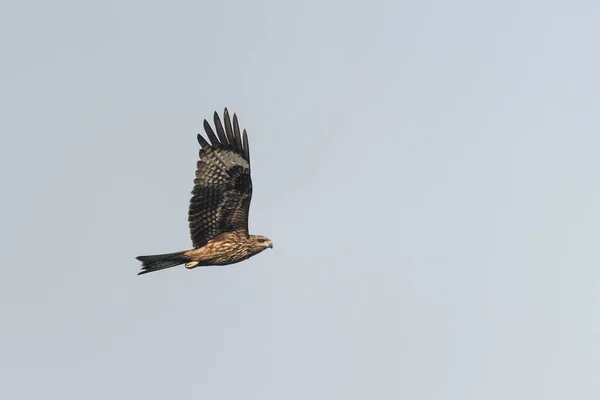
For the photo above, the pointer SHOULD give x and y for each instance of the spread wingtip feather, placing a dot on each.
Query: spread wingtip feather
(228, 128)
(227, 135)
(220, 130)
(211, 135)
(203, 143)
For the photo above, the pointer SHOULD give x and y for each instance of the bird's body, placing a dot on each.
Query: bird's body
(227, 248)
(218, 213)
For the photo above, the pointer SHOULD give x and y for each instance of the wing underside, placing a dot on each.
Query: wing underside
(223, 187)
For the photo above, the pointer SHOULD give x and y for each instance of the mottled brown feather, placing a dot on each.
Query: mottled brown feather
(226, 248)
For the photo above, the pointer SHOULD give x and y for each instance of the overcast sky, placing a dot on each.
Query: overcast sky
(427, 171)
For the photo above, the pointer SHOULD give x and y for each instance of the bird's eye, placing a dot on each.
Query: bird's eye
(261, 240)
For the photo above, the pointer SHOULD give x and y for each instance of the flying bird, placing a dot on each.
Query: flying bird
(220, 203)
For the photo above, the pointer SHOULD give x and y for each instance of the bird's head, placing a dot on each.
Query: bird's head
(260, 243)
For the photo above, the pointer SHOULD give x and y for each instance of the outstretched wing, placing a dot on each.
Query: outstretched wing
(223, 187)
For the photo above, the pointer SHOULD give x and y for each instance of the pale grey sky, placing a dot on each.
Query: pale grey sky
(428, 172)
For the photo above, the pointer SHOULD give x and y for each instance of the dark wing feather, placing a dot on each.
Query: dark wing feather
(220, 130)
(211, 135)
(246, 148)
(203, 143)
(236, 133)
(228, 128)
(223, 187)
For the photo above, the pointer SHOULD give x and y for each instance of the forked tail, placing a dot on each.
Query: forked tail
(161, 261)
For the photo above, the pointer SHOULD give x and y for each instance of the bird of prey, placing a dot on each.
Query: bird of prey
(218, 213)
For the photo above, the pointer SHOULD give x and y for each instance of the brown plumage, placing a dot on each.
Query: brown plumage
(218, 213)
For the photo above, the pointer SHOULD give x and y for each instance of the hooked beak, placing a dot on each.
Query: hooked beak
(271, 245)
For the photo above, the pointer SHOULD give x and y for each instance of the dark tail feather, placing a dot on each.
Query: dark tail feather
(161, 261)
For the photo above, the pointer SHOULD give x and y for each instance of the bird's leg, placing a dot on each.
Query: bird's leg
(191, 264)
